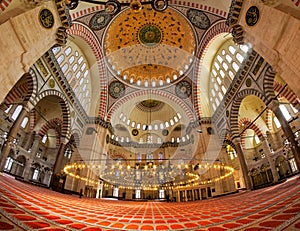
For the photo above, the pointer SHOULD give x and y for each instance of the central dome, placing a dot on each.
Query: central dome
(149, 48)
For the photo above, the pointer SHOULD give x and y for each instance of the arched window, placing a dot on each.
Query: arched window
(24, 122)
(71, 59)
(16, 112)
(55, 50)
(224, 68)
(35, 174)
(160, 156)
(44, 139)
(65, 68)
(8, 164)
(8, 109)
(60, 59)
(68, 51)
(277, 123)
(76, 72)
(149, 156)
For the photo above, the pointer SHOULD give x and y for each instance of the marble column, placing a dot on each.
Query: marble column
(193, 195)
(32, 155)
(59, 159)
(29, 140)
(268, 153)
(11, 136)
(274, 106)
(243, 164)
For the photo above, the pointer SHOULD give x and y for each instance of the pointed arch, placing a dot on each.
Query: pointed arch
(269, 121)
(249, 124)
(234, 123)
(55, 124)
(66, 120)
(154, 92)
(21, 92)
(91, 39)
(287, 93)
(268, 84)
(216, 29)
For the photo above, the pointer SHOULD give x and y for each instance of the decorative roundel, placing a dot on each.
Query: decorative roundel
(46, 18)
(112, 7)
(149, 35)
(252, 16)
(116, 89)
(134, 132)
(227, 113)
(199, 19)
(100, 20)
(165, 132)
(183, 89)
(51, 83)
(248, 82)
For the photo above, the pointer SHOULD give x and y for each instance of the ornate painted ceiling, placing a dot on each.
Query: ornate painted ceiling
(149, 47)
(152, 58)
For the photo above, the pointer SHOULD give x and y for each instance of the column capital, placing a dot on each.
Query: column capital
(274, 104)
(26, 107)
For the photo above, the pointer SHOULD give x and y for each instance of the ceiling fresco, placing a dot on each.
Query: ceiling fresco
(149, 48)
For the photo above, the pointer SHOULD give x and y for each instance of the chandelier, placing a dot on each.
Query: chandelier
(154, 175)
(114, 6)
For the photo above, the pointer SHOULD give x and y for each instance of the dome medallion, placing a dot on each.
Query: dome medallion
(149, 35)
(149, 48)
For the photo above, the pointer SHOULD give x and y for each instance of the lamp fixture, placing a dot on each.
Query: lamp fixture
(113, 6)
(159, 174)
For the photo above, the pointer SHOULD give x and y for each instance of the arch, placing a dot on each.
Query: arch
(287, 93)
(269, 121)
(153, 92)
(36, 165)
(210, 35)
(283, 168)
(20, 93)
(21, 159)
(268, 83)
(249, 124)
(235, 109)
(32, 116)
(117, 155)
(76, 136)
(21, 163)
(4, 4)
(91, 39)
(52, 124)
(64, 107)
(193, 5)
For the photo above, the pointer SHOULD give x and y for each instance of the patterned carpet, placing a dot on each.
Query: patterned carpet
(27, 207)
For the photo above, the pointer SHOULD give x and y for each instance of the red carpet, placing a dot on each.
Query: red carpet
(27, 207)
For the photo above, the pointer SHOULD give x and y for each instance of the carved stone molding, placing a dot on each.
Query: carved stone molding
(238, 34)
(272, 3)
(30, 4)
